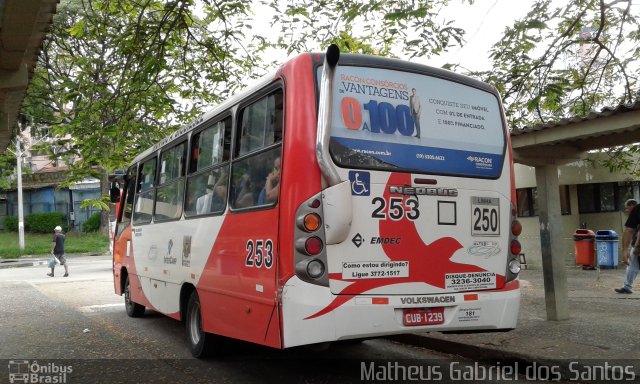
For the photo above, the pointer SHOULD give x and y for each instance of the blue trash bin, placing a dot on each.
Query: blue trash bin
(607, 249)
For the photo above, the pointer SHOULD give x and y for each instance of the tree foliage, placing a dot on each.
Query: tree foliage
(115, 76)
(411, 28)
(7, 167)
(568, 60)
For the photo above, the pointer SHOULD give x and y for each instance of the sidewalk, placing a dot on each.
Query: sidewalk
(603, 325)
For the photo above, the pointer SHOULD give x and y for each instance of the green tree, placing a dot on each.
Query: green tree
(7, 170)
(116, 76)
(410, 28)
(569, 60)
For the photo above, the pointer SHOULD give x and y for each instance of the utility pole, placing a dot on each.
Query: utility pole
(19, 156)
(20, 211)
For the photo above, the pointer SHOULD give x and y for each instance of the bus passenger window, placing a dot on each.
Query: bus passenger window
(127, 202)
(143, 205)
(146, 178)
(210, 146)
(261, 124)
(170, 192)
(208, 175)
(256, 179)
(207, 192)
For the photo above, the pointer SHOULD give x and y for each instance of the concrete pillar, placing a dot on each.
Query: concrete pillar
(553, 265)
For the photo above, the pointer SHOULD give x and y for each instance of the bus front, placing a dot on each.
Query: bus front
(415, 228)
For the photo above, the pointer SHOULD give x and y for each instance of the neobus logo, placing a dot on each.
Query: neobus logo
(452, 192)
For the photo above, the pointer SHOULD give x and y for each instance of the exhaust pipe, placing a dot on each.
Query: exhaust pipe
(324, 116)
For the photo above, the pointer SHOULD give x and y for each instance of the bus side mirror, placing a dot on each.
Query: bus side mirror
(114, 193)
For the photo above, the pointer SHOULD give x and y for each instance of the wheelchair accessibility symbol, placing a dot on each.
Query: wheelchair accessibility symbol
(360, 183)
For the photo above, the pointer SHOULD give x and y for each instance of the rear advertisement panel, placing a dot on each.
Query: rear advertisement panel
(395, 120)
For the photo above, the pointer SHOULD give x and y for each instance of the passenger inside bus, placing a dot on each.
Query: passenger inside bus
(214, 200)
(244, 192)
(271, 189)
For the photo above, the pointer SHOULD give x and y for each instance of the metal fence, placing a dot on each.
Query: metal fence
(75, 218)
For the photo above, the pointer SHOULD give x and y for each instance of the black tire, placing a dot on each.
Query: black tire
(200, 342)
(133, 309)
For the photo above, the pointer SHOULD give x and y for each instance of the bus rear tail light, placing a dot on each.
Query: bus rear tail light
(514, 266)
(311, 222)
(315, 269)
(516, 248)
(516, 228)
(310, 256)
(313, 246)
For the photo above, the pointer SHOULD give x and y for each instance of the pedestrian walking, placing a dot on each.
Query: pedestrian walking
(57, 250)
(630, 246)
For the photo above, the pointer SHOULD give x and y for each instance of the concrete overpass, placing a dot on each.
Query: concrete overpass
(23, 25)
(547, 146)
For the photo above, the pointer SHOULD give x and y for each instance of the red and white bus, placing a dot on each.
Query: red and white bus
(343, 197)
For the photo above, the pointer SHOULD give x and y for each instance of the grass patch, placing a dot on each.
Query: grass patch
(40, 244)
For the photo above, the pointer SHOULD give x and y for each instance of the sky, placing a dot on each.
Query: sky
(484, 22)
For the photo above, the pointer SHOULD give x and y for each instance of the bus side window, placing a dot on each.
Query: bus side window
(170, 192)
(260, 124)
(147, 175)
(143, 204)
(208, 175)
(256, 176)
(127, 202)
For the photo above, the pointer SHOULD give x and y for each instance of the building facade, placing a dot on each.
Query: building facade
(41, 178)
(591, 197)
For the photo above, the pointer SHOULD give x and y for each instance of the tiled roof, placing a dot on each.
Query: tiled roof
(605, 112)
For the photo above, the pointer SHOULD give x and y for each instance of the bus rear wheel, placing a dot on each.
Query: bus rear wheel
(133, 309)
(200, 342)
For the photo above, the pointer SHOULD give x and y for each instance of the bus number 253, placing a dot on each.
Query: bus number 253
(259, 253)
(398, 208)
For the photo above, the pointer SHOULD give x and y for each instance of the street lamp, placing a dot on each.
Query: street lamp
(19, 156)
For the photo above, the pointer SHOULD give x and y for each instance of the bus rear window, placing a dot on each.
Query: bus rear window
(399, 121)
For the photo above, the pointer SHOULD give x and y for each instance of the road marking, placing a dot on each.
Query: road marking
(98, 307)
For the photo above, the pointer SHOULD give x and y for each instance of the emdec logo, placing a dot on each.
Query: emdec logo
(357, 240)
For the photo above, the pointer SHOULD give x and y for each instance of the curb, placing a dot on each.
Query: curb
(561, 369)
(40, 260)
(20, 264)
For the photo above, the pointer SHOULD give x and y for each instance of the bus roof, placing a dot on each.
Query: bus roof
(318, 59)
(217, 109)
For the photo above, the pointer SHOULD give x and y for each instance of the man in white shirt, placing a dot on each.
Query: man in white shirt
(203, 204)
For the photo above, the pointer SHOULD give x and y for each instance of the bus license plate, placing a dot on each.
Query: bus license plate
(423, 316)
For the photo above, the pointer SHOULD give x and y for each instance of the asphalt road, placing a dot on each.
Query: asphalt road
(78, 321)
(78, 325)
